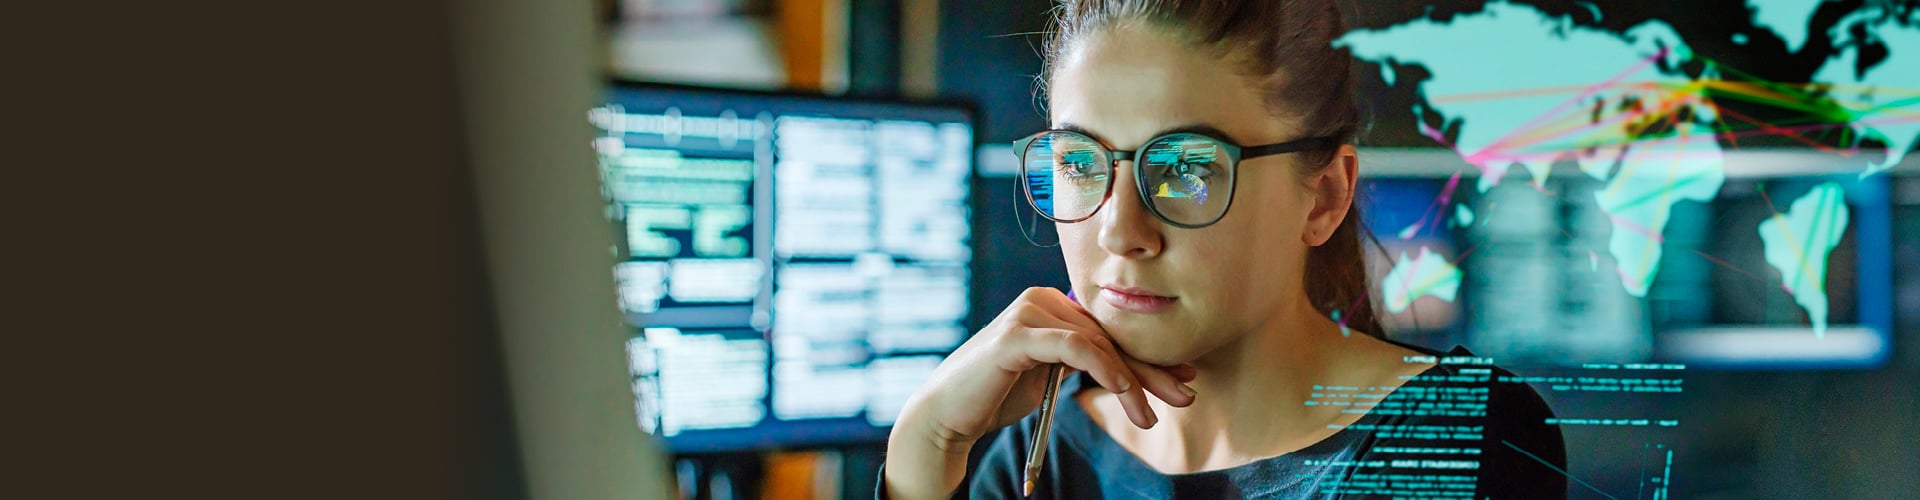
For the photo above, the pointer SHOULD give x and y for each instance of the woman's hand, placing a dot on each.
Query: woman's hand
(998, 377)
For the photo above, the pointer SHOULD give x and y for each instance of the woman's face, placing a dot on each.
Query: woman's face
(1168, 295)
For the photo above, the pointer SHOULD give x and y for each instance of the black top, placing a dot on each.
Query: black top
(1457, 430)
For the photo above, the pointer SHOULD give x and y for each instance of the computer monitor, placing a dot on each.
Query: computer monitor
(1411, 217)
(1541, 285)
(796, 264)
(1788, 265)
(1733, 306)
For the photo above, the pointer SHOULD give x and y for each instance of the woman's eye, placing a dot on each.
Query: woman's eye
(1073, 163)
(1194, 168)
(1079, 170)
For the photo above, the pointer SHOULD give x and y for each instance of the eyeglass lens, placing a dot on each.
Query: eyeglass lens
(1188, 177)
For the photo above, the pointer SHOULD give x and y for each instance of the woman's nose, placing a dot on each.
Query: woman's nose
(1127, 228)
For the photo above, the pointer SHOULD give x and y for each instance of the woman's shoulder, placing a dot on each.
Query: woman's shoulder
(1506, 392)
(1470, 378)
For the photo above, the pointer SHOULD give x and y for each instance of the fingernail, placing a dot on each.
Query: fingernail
(1126, 385)
(1187, 390)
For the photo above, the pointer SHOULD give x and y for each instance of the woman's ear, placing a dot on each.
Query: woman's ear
(1332, 188)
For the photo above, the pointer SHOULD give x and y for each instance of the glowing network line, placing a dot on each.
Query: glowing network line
(1653, 135)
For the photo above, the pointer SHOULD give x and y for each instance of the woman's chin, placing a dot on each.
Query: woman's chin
(1159, 346)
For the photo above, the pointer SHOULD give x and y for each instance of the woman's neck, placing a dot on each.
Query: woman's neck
(1252, 394)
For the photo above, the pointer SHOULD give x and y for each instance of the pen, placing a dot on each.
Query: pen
(1037, 453)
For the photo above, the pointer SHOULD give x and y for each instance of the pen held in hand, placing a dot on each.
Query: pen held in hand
(1037, 454)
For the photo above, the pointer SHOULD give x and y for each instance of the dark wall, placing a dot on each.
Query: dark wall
(990, 56)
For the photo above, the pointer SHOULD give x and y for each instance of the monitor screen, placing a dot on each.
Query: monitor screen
(1792, 272)
(792, 266)
(1786, 271)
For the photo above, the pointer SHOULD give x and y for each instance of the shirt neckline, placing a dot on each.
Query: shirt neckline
(1106, 454)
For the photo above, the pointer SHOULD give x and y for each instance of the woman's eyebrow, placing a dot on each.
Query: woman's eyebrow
(1198, 128)
(1191, 128)
(1070, 127)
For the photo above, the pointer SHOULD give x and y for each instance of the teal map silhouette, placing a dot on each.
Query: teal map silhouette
(1797, 243)
(1513, 86)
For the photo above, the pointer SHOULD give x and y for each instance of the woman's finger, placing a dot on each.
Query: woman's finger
(1183, 373)
(1138, 411)
(1162, 383)
(1132, 399)
(1063, 308)
(1076, 349)
(1077, 331)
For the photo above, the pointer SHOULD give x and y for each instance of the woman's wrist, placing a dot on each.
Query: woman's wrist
(922, 462)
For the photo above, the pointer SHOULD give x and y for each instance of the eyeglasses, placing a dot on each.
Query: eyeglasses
(1184, 178)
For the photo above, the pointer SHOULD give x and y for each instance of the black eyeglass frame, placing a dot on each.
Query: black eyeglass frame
(1235, 154)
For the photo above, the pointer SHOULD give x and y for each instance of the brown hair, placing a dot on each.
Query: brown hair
(1286, 47)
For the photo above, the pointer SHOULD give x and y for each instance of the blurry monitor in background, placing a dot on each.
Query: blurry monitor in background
(800, 263)
(1801, 277)
(1774, 272)
(1416, 230)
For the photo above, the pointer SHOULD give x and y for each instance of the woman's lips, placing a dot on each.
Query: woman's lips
(1135, 300)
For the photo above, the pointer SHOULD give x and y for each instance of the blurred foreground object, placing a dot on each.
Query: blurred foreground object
(526, 71)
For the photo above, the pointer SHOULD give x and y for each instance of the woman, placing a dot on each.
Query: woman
(1205, 358)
